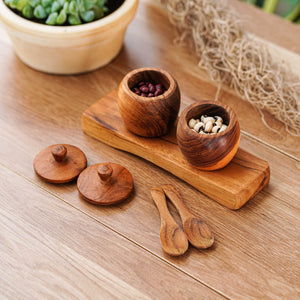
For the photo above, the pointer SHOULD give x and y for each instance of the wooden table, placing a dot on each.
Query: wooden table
(55, 245)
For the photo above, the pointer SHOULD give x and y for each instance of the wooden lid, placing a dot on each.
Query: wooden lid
(105, 183)
(59, 163)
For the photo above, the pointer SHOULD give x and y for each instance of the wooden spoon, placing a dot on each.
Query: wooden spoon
(198, 232)
(173, 240)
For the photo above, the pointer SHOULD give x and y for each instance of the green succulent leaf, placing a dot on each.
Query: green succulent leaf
(34, 3)
(66, 7)
(27, 11)
(46, 3)
(20, 5)
(62, 2)
(101, 3)
(81, 5)
(13, 3)
(51, 20)
(55, 6)
(39, 12)
(62, 18)
(73, 8)
(87, 16)
(99, 12)
(60, 12)
(89, 4)
(74, 20)
(48, 11)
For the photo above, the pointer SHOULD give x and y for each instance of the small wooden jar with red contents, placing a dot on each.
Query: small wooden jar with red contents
(149, 116)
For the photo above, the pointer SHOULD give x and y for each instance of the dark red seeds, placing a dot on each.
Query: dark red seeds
(151, 88)
(144, 89)
(148, 89)
(158, 92)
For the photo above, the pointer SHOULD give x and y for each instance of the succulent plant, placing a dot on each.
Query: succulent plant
(60, 12)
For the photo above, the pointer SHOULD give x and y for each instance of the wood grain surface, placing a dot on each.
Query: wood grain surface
(208, 152)
(59, 163)
(173, 239)
(66, 254)
(153, 116)
(105, 184)
(198, 233)
(56, 245)
(231, 186)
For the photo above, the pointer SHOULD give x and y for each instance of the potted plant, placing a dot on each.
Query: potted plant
(62, 47)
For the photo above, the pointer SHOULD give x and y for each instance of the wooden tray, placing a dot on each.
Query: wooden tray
(231, 186)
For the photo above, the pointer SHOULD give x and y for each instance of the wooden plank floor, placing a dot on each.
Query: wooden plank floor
(55, 245)
(66, 254)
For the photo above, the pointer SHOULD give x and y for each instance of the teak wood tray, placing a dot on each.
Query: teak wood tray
(231, 186)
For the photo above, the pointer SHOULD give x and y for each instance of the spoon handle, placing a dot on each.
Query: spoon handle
(173, 239)
(198, 232)
(174, 196)
(160, 201)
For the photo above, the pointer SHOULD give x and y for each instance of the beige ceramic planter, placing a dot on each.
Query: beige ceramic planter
(68, 49)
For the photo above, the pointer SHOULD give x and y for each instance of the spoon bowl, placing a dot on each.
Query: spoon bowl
(173, 240)
(197, 232)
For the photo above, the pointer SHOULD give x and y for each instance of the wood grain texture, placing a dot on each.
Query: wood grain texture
(231, 186)
(172, 238)
(34, 112)
(195, 84)
(105, 184)
(59, 163)
(208, 152)
(256, 249)
(149, 117)
(50, 250)
(198, 233)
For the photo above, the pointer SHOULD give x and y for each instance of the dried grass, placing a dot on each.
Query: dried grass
(231, 57)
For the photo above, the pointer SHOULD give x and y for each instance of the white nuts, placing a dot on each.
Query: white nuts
(192, 123)
(223, 128)
(218, 123)
(199, 126)
(216, 129)
(207, 125)
(218, 119)
(208, 119)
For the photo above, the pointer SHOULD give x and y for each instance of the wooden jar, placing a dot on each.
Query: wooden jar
(208, 151)
(153, 116)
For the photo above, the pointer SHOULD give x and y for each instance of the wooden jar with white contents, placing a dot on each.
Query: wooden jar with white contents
(208, 135)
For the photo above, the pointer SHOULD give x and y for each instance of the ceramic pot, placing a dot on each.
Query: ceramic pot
(68, 49)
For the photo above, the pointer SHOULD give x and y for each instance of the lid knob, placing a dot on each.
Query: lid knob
(59, 152)
(105, 172)
(59, 163)
(105, 183)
